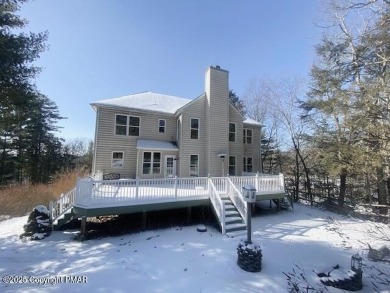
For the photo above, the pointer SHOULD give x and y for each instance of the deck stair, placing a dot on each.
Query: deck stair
(61, 210)
(63, 219)
(233, 220)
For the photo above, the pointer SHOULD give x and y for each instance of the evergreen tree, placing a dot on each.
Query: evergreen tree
(350, 94)
(236, 102)
(27, 118)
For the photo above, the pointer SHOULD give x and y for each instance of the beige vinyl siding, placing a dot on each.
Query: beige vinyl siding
(107, 141)
(236, 148)
(188, 146)
(253, 150)
(217, 92)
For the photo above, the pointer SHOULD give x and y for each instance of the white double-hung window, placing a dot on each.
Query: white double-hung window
(127, 125)
(151, 163)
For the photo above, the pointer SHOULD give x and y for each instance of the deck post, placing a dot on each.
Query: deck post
(61, 203)
(281, 181)
(176, 186)
(208, 183)
(249, 223)
(189, 214)
(136, 187)
(51, 213)
(143, 220)
(83, 229)
(77, 196)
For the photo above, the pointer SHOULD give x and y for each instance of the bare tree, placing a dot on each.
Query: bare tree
(275, 104)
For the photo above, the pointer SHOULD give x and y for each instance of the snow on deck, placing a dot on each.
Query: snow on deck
(104, 193)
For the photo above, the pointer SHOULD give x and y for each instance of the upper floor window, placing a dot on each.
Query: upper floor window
(117, 160)
(161, 125)
(120, 124)
(134, 123)
(151, 163)
(232, 131)
(178, 127)
(194, 128)
(247, 135)
(127, 125)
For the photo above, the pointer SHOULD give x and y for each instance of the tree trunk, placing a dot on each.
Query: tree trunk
(368, 189)
(2, 165)
(382, 190)
(343, 187)
(297, 177)
(307, 175)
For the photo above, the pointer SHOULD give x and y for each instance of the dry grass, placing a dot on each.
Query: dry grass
(20, 200)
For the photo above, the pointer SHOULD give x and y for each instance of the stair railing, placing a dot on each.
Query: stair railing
(62, 205)
(237, 199)
(218, 205)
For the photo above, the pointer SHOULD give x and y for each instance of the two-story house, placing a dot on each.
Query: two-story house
(150, 135)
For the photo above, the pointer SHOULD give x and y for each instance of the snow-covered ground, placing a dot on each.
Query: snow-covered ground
(180, 259)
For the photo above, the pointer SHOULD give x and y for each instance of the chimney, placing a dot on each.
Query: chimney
(217, 118)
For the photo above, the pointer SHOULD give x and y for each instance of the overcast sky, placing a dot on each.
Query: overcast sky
(106, 49)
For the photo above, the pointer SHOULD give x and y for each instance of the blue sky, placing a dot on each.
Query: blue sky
(106, 49)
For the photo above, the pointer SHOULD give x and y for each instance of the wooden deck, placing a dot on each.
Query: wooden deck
(113, 197)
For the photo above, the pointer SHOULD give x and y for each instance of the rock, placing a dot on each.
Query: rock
(201, 228)
(38, 224)
(342, 279)
(378, 254)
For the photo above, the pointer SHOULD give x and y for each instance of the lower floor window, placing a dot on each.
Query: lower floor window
(194, 165)
(117, 160)
(232, 165)
(151, 163)
(248, 164)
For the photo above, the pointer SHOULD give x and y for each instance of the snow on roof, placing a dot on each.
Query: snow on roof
(148, 144)
(251, 121)
(147, 101)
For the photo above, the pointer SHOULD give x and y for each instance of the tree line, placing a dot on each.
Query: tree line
(334, 128)
(338, 123)
(29, 147)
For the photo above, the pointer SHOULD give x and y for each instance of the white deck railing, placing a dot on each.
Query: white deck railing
(218, 205)
(62, 205)
(264, 184)
(96, 192)
(235, 196)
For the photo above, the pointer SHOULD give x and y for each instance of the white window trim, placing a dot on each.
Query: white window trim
(112, 160)
(115, 125)
(139, 126)
(195, 128)
(128, 125)
(164, 127)
(151, 162)
(245, 132)
(235, 165)
(235, 132)
(197, 173)
(246, 164)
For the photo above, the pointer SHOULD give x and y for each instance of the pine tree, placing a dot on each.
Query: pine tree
(27, 118)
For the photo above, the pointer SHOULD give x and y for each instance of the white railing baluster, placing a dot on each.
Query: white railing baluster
(100, 193)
